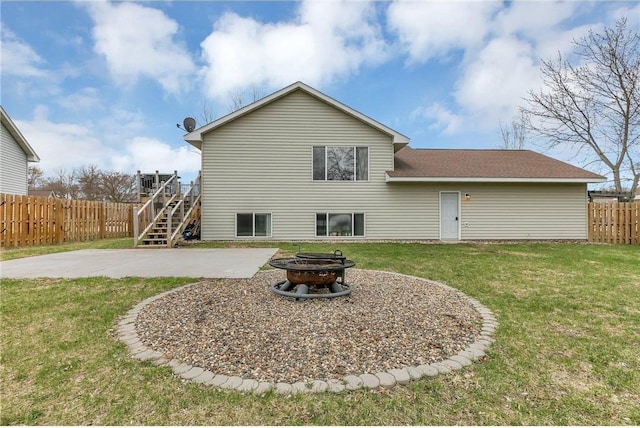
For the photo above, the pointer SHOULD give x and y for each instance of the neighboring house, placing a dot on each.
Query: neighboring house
(15, 155)
(611, 196)
(43, 193)
(299, 165)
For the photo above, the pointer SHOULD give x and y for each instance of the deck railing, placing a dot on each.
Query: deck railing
(191, 197)
(179, 208)
(145, 217)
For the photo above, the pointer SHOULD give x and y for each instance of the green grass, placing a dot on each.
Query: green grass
(19, 252)
(567, 351)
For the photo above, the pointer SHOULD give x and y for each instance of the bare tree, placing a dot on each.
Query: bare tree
(118, 187)
(241, 98)
(35, 177)
(237, 99)
(207, 113)
(514, 134)
(594, 107)
(89, 182)
(63, 184)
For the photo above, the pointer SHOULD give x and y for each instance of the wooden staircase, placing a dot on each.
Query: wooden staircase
(165, 216)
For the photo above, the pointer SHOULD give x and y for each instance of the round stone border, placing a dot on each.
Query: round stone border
(126, 333)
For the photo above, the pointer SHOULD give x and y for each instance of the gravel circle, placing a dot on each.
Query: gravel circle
(238, 327)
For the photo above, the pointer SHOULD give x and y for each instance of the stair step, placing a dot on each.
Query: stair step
(158, 236)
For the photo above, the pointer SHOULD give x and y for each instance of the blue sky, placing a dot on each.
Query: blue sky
(105, 83)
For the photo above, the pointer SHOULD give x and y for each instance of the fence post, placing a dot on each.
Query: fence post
(3, 218)
(635, 223)
(590, 221)
(58, 222)
(139, 186)
(6, 217)
(135, 226)
(102, 226)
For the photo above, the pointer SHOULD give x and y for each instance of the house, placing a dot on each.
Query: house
(299, 165)
(611, 196)
(42, 193)
(15, 155)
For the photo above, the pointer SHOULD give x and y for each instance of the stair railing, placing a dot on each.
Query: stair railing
(191, 195)
(152, 210)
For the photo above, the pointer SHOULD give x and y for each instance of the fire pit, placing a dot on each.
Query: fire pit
(313, 275)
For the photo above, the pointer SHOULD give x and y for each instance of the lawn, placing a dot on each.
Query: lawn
(567, 350)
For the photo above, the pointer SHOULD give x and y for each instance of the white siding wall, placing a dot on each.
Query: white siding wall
(13, 165)
(263, 163)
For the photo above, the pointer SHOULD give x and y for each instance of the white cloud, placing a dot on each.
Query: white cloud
(632, 13)
(498, 76)
(68, 146)
(148, 155)
(83, 99)
(140, 41)
(62, 145)
(17, 57)
(433, 28)
(543, 27)
(321, 44)
(443, 119)
(494, 84)
(531, 19)
(501, 46)
(562, 41)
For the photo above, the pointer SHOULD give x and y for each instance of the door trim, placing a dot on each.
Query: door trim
(440, 214)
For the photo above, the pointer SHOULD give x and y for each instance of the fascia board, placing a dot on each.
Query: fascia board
(490, 180)
(32, 156)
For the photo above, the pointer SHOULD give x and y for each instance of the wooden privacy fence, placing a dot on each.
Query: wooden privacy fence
(30, 220)
(614, 223)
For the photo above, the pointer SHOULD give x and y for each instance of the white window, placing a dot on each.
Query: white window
(340, 224)
(253, 224)
(340, 163)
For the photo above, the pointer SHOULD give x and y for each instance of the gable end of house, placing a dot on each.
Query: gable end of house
(196, 137)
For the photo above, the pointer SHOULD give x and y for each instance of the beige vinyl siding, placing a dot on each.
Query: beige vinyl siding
(524, 211)
(262, 162)
(495, 210)
(13, 165)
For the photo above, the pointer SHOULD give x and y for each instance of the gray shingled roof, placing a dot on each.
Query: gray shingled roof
(483, 165)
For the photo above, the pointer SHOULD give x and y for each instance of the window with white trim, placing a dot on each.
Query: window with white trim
(339, 224)
(340, 163)
(253, 224)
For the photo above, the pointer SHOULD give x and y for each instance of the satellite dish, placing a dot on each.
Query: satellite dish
(189, 124)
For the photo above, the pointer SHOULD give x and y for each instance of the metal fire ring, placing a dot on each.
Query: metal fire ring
(302, 294)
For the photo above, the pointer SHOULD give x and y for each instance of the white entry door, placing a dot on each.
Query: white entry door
(449, 215)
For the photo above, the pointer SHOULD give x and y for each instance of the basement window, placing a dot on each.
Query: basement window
(340, 224)
(253, 224)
